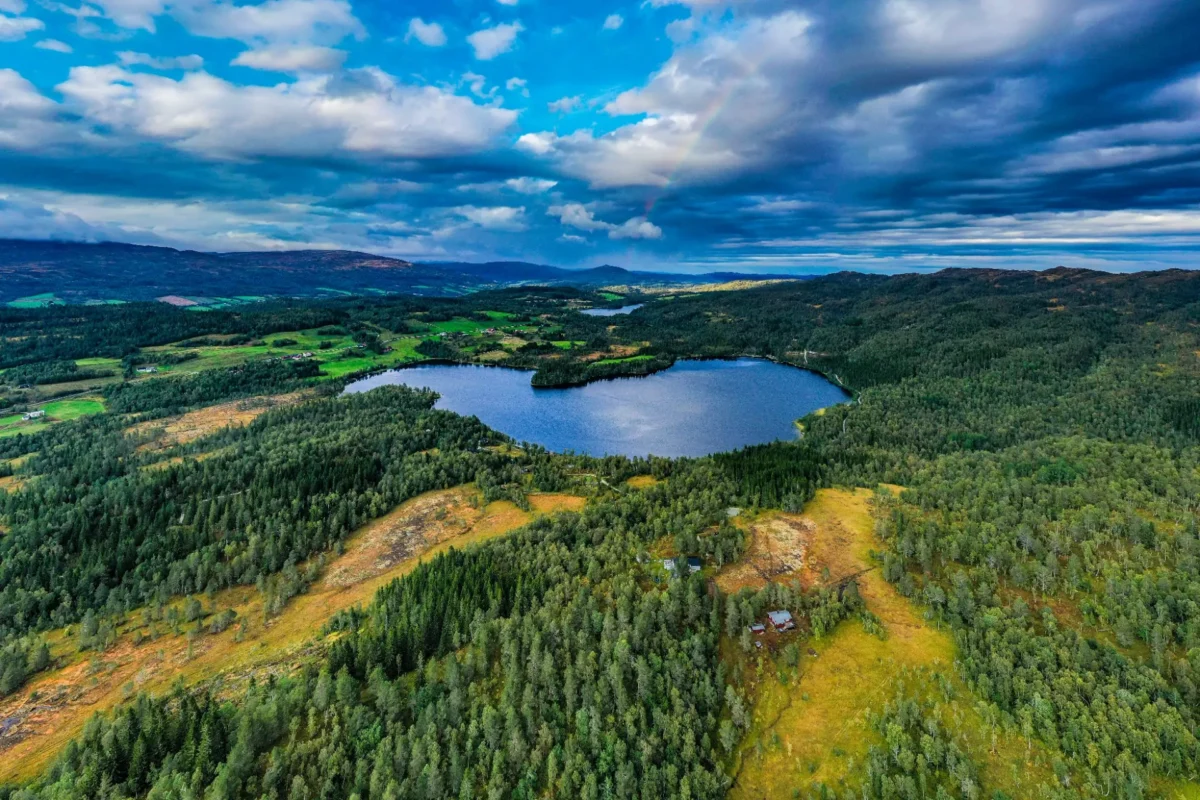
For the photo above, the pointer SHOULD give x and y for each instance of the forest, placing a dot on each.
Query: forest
(1032, 440)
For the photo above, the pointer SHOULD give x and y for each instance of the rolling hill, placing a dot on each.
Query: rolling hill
(38, 272)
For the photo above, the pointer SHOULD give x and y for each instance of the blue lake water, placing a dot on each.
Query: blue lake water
(692, 409)
(611, 312)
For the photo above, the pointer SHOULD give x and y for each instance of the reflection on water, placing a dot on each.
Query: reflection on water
(611, 312)
(692, 409)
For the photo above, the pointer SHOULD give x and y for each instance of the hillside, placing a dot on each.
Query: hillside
(37, 273)
(76, 272)
(989, 555)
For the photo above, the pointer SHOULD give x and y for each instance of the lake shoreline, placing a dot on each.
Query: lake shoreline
(695, 408)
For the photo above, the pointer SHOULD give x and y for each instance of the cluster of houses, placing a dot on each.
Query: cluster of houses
(298, 357)
(147, 370)
(780, 622)
(33, 415)
(694, 565)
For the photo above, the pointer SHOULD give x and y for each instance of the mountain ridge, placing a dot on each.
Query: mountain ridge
(76, 272)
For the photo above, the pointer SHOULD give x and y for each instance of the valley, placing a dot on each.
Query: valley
(223, 574)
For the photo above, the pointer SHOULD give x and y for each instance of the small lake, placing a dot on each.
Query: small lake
(695, 408)
(611, 312)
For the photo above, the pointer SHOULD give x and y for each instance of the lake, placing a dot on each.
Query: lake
(692, 409)
(611, 312)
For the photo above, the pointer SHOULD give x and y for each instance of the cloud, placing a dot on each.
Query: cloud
(681, 29)
(565, 105)
(613, 21)
(429, 34)
(636, 228)
(128, 58)
(131, 14)
(21, 219)
(272, 22)
(13, 29)
(27, 119)
(518, 85)
(580, 217)
(772, 132)
(498, 218)
(356, 114)
(956, 30)
(292, 59)
(781, 206)
(491, 42)
(526, 185)
(54, 45)
(706, 113)
(576, 215)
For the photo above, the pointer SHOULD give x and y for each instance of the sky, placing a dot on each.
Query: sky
(687, 135)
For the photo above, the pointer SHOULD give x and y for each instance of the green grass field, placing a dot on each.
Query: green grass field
(624, 360)
(99, 363)
(459, 326)
(35, 301)
(17, 430)
(64, 410)
(57, 411)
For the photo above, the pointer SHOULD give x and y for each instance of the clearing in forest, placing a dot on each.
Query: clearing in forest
(185, 428)
(39, 720)
(814, 727)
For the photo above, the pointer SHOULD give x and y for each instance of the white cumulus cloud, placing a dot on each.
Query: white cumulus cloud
(292, 58)
(54, 45)
(491, 42)
(613, 21)
(362, 113)
(13, 29)
(636, 228)
(583, 218)
(129, 58)
(430, 34)
(274, 21)
(526, 185)
(565, 105)
(500, 218)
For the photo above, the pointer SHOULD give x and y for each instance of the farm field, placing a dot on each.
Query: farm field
(56, 411)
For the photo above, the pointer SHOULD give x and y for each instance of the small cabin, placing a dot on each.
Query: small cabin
(758, 629)
(33, 415)
(694, 564)
(147, 370)
(781, 621)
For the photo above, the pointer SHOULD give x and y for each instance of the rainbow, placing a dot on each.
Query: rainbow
(705, 121)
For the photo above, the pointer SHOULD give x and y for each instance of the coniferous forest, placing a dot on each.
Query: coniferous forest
(1032, 440)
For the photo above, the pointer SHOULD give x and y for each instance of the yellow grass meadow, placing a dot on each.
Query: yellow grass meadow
(52, 709)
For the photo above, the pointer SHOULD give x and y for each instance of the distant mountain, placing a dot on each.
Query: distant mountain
(77, 272)
(508, 272)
